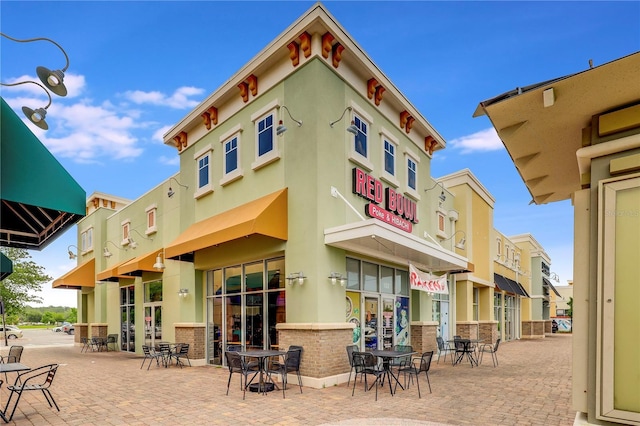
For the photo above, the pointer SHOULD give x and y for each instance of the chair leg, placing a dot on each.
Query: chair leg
(418, 383)
(300, 381)
(15, 406)
(50, 398)
(428, 381)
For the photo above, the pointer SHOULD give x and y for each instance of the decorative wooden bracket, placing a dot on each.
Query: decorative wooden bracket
(181, 140)
(305, 44)
(210, 116)
(378, 97)
(336, 55)
(294, 53)
(406, 121)
(327, 41)
(371, 87)
(430, 144)
(249, 85)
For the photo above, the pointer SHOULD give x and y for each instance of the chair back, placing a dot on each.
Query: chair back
(440, 342)
(184, 348)
(234, 361)
(15, 353)
(495, 348)
(350, 350)
(359, 362)
(457, 337)
(53, 368)
(295, 348)
(425, 361)
(403, 348)
(112, 338)
(145, 350)
(293, 359)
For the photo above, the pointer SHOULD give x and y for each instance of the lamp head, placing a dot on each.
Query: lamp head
(158, 265)
(53, 80)
(106, 252)
(281, 128)
(36, 116)
(170, 192)
(352, 128)
(72, 255)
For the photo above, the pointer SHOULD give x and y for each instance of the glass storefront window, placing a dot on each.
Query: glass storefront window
(233, 279)
(386, 280)
(353, 274)
(370, 276)
(153, 291)
(402, 282)
(253, 274)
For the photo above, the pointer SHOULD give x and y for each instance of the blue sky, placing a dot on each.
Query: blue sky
(136, 68)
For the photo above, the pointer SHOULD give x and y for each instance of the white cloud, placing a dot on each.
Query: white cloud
(482, 141)
(74, 83)
(178, 100)
(158, 135)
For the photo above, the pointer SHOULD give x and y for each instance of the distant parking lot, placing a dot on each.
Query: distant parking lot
(39, 337)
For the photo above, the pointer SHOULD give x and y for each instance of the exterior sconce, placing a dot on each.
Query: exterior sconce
(72, 255)
(352, 128)
(554, 277)
(36, 116)
(337, 277)
(170, 192)
(281, 128)
(183, 292)
(442, 197)
(106, 252)
(460, 244)
(132, 243)
(159, 266)
(296, 276)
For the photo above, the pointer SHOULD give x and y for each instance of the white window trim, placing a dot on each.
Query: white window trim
(260, 161)
(125, 223)
(238, 173)
(413, 193)
(441, 233)
(391, 179)
(86, 248)
(152, 229)
(207, 189)
(354, 156)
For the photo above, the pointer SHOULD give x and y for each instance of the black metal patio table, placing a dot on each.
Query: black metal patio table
(11, 367)
(463, 348)
(388, 355)
(262, 356)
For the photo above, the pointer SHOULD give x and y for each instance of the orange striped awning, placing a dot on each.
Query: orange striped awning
(136, 266)
(111, 274)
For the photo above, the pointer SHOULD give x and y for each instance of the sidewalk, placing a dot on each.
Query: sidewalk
(531, 386)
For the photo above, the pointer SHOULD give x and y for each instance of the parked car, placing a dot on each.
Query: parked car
(554, 326)
(68, 328)
(13, 332)
(59, 328)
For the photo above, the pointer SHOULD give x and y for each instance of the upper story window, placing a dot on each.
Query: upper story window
(498, 248)
(126, 228)
(476, 304)
(389, 146)
(441, 223)
(266, 149)
(360, 141)
(231, 158)
(411, 162)
(152, 213)
(86, 240)
(360, 150)
(389, 157)
(203, 171)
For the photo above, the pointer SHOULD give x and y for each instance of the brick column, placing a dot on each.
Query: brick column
(81, 330)
(423, 336)
(533, 329)
(98, 330)
(194, 335)
(488, 331)
(467, 329)
(324, 357)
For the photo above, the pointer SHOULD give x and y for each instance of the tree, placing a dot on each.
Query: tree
(27, 278)
(570, 310)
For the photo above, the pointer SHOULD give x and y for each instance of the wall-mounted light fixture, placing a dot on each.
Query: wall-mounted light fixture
(159, 266)
(336, 277)
(106, 252)
(296, 276)
(36, 116)
(53, 80)
(132, 243)
(506, 261)
(170, 192)
(183, 292)
(281, 128)
(554, 277)
(72, 255)
(460, 244)
(442, 197)
(352, 128)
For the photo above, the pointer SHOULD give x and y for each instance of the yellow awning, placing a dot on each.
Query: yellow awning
(141, 263)
(81, 276)
(111, 274)
(265, 216)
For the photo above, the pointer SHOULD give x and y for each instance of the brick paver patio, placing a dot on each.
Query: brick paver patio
(531, 386)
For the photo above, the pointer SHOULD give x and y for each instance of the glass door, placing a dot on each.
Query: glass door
(371, 329)
(152, 325)
(127, 319)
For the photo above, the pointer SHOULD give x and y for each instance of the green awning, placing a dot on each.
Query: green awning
(39, 198)
(6, 266)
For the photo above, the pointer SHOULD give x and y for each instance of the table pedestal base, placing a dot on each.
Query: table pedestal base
(257, 387)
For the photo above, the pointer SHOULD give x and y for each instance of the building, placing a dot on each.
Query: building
(578, 137)
(303, 211)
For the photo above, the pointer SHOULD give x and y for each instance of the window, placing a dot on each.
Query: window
(230, 155)
(360, 140)
(412, 173)
(203, 171)
(152, 212)
(126, 227)
(266, 147)
(86, 240)
(389, 153)
(498, 248)
(411, 161)
(389, 158)
(476, 301)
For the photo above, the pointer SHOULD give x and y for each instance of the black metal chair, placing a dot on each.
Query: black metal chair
(402, 361)
(14, 355)
(86, 344)
(445, 348)
(291, 364)
(350, 350)
(236, 364)
(366, 364)
(413, 370)
(164, 349)
(112, 340)
(464, 348)
(38, 379)
(150, 354)
(181, 353)
(492, 349)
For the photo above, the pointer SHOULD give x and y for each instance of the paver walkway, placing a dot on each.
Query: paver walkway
(531, 386)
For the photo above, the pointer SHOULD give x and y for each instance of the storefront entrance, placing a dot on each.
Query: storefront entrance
(152, 325)
(127, 319)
